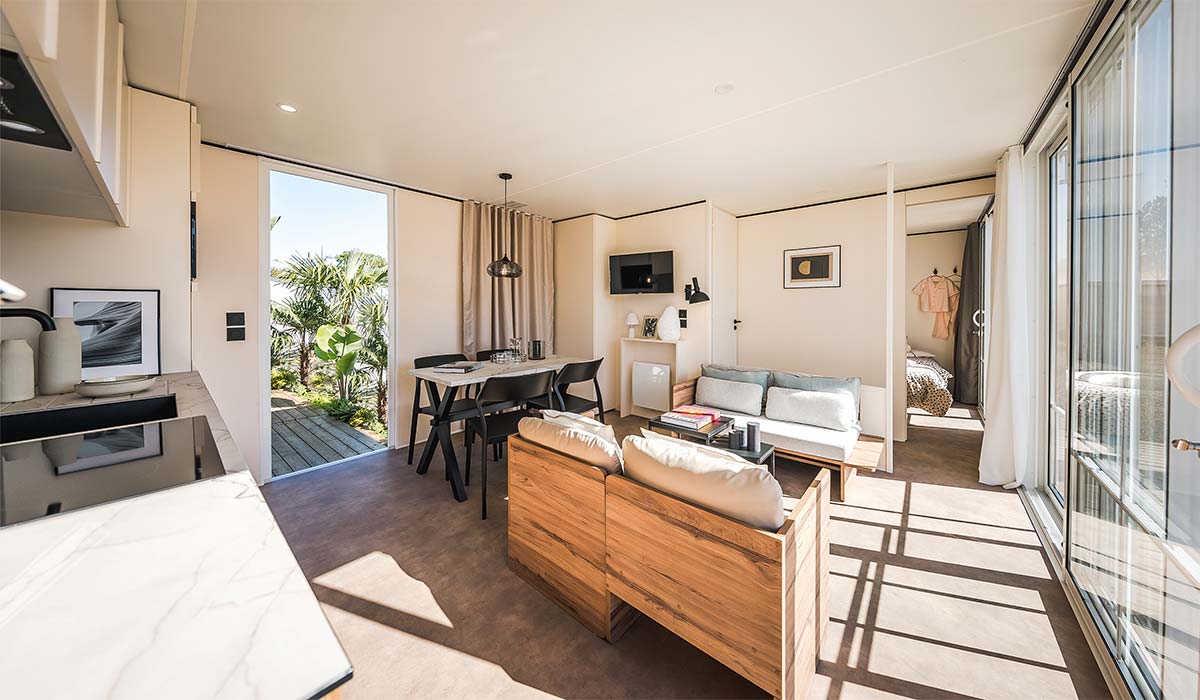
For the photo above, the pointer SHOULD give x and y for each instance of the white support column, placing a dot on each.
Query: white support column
(890, 337)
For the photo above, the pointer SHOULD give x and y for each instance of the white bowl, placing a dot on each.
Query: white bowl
(113, 386)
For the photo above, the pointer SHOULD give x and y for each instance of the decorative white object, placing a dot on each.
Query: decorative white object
(631, 320)
(113, 386)
(60, 358)
(668, 324)
(16, 371)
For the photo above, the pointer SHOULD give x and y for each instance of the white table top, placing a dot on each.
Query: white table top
(492, 369)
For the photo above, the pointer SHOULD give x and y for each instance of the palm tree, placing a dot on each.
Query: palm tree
(357, 279)
(300, 317)
(374, 353)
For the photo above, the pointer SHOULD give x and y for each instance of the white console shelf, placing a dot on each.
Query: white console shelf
(652, 350)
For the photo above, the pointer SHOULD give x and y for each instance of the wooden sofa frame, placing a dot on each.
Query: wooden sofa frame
(605, 548)
(867, 453)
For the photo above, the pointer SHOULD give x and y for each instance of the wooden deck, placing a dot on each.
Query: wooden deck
(303, 436)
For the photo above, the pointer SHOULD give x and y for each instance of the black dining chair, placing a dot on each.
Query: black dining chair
(574, 373)
(460, 405)
(494, 427)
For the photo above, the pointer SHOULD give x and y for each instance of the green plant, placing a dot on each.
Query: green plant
(374, 354)
(284, 377)
(339, 345)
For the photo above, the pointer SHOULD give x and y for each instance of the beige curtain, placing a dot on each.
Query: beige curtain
(495, 310)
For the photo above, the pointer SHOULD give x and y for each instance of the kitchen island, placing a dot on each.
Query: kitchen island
(190, 591)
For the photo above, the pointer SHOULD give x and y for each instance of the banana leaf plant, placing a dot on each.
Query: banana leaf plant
(339, 345)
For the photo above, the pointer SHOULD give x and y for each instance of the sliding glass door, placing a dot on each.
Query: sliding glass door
(1131, 501)
(1058, 197)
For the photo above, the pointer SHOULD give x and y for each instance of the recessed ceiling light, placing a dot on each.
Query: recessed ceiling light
(723, 88)
(287, 108)
(20, 126)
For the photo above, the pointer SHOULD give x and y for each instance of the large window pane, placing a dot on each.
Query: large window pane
(1060, 317)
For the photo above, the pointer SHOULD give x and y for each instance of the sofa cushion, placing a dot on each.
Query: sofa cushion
(825, 409)
(586, 446)
(744, 492)
(836, 445)
(761, 377)
(742, 397)
(706, 449)
(574, 420)
(790, 380)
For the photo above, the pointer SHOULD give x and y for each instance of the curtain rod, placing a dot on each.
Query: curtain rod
(928, 233)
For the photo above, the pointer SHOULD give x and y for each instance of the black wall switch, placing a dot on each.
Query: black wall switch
(235, 318)
(238, 333)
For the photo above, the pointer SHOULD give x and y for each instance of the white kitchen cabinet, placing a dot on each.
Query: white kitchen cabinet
(74, 49)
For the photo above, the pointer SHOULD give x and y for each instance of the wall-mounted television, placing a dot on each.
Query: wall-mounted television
(642, 273)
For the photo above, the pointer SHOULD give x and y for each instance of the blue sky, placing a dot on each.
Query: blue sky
(322, 217)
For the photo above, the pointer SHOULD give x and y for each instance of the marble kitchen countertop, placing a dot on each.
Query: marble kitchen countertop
(188, 592)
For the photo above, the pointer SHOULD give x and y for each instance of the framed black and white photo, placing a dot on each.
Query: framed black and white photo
(650, 326)
(115, 446)
(119, 327)
(812, 267)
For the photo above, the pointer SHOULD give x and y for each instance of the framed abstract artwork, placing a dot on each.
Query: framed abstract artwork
(119, 328)
(812, 267)
(650, 326)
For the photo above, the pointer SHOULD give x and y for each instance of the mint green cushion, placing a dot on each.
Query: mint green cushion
(761, 377)
(850, 386)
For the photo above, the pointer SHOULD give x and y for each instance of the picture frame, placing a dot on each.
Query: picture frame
(650, 326)
(807, 268)
(120, 328)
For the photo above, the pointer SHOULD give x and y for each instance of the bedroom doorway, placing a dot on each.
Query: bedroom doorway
(944, 314)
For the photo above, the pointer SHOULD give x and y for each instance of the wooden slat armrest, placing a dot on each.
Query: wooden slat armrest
(683, 393)
(867, 453)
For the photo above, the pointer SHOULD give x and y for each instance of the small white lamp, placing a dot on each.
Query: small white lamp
(631, 321)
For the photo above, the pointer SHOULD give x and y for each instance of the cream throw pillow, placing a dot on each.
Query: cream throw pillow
(587, 447)
(744, 492)
(574, 420)
(823, 409)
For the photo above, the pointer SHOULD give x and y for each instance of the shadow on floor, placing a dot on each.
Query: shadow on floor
(939, 589)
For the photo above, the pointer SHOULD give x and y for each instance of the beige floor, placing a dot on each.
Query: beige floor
(940, 590)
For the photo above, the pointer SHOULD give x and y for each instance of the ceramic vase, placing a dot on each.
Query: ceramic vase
(60, 358)
(16, 371)
(668, 324)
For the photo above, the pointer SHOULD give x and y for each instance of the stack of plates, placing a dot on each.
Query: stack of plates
(114, 386)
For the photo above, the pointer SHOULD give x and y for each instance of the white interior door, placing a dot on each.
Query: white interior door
(724, 288)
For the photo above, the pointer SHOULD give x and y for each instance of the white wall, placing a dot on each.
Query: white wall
(943, 251)
(38, 252)
(227, 280)
(836, 331)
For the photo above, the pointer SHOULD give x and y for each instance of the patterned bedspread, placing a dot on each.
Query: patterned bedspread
(927, 386)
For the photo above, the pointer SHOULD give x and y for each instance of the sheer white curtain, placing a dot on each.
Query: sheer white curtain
(1008, 457)
(495, 310)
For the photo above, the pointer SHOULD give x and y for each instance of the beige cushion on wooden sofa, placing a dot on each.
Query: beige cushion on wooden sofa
(574, 420)
(743, 397)
(744, 492)
(824, 409)
(587, 447)
(813, 440)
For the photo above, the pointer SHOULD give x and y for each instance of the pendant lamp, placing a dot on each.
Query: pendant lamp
(504, 267)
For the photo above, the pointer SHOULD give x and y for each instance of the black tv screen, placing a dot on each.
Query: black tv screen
(642, 273)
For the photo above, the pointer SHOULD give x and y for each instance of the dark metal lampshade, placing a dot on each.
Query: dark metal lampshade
(696, 296)
(504, 268)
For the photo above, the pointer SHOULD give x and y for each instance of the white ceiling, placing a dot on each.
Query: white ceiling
(947, 215)
(609, 107)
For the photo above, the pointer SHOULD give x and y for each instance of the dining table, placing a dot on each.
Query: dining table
(442, 389)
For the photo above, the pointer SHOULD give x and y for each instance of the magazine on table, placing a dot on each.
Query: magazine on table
(698, 411)
(686, 420)
(458, 367)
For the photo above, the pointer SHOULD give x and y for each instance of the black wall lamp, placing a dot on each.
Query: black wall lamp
(692, 293)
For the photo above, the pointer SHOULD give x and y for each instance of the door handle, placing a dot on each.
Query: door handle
(1187, 446)
(735, 323)
(1186, 342)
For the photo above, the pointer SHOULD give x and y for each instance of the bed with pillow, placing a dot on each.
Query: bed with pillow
(807, 418)
(928, 383)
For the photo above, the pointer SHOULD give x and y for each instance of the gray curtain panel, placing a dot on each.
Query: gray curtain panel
(495, 310)
(966, 343)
